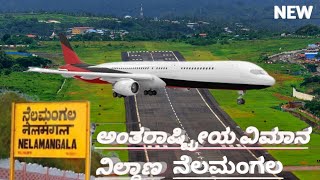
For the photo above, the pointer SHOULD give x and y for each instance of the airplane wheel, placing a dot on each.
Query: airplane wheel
(146, 92)
(119, 96)
(241, 101)
(115, 94)
(150, 93)
(154, 93)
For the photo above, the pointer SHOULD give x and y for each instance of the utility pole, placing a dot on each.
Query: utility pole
(141, 12)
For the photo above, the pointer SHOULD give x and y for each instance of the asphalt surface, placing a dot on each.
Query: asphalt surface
(193, 111)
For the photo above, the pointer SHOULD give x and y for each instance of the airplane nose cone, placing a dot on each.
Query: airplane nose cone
(271, 81)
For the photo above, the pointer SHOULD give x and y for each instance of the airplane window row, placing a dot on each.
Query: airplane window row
(198, 68)
(162, 68)
(130, 68)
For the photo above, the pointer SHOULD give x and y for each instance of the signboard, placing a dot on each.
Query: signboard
(50, 130)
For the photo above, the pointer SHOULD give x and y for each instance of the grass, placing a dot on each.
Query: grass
(63, 18)
(42, 87)
(307, 175)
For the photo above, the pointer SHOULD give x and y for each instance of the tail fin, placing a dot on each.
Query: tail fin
(70, 57)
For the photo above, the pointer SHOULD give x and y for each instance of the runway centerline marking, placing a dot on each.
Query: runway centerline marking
(174, 112)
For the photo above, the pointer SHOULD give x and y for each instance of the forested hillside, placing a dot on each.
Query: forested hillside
(259, 13)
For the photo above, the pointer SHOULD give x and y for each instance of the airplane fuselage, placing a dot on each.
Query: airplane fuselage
(237, 75)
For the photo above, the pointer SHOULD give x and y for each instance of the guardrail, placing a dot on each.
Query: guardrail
(30, 171)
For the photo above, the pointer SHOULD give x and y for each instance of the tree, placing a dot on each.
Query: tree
(312, 67)
(21, 49)
(26, 62)
(5, 60)
(311, 79)
(5, 37)
(7, 72)
(316, 92)
(308, 30)
(314, 106)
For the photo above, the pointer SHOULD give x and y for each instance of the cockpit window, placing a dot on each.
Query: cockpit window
(258, 72)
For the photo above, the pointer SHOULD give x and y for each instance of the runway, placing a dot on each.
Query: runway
(193, 111)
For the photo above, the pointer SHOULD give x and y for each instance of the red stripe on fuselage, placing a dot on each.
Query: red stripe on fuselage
(73, 68)
(94, 81)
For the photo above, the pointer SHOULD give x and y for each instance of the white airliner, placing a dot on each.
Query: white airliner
(131, 78)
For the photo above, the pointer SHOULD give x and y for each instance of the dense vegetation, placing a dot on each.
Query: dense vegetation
(8, 64)
(15, 27)
(16, 39)
(256, 13)
(309, 30)
(313, 84)
(314, 106)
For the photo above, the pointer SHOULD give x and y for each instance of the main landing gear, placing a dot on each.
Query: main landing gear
(150, 92)
(117, 95)
(240, 99)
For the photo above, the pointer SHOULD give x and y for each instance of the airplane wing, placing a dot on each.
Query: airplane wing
(109, 77)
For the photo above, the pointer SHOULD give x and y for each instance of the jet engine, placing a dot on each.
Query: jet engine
(127, 87)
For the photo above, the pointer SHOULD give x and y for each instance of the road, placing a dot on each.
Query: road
(193, 111)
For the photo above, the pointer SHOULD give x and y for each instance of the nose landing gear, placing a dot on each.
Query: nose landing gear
(115, 95)
(240, 99)
(150, 92)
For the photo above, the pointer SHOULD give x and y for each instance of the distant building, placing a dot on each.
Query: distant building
(33, 36)
(100, 31)
(91, 31)
(50, 21)
(192, 25)
(175, 22)
(312, 52)
(203, 23)
(301, 56)
(240, 25)
(53, 35)
(226, 29)
(245, 29)
(312, 46)
(311, 55)
(53, 21)
(128, 17)
(79, 30)
(203, 35)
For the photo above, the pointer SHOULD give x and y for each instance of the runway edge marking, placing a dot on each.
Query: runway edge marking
(224, 124)
(138, 117)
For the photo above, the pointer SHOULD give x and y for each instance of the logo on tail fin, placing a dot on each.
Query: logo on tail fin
(70, 57)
